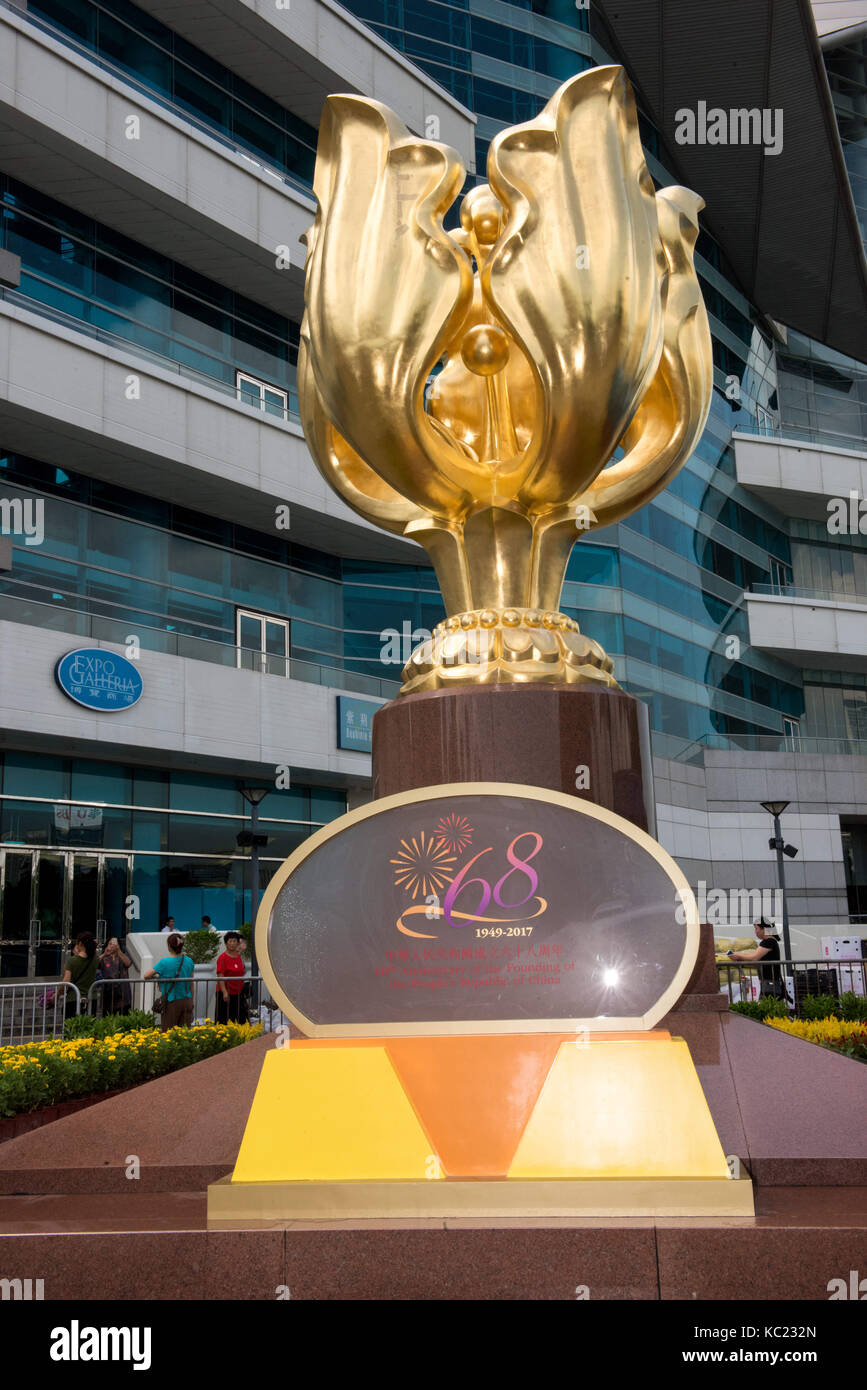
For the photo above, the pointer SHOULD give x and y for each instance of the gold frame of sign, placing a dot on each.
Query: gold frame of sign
(516, 1118)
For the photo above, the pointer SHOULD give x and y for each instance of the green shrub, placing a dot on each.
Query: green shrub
(202, 945)
(760, 1009)
(819, 1006)
(852, 1008)
(86, 1026)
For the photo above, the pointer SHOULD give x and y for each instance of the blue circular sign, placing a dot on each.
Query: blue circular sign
(99, 680)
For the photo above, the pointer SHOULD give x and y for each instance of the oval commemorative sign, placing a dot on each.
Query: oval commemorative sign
(99, 679)
(479, 907)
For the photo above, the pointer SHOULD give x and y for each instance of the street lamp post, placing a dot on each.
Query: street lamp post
(776, 809)
(253, 795)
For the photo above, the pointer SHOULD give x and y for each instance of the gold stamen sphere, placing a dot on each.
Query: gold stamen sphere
(482, 214)
(485, 349)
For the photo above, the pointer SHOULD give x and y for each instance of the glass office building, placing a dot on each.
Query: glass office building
(665, 592)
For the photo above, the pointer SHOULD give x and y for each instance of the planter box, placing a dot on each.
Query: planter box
(14, 1125)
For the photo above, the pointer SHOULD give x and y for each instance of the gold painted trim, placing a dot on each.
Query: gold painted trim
(233, 1205)
(490, 1026)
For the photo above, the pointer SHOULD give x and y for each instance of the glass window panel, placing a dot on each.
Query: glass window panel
(285, 803)
(120, 544)
(259, 584)
(327, 803)
(29, 774)
(203, 835)
(93, 781)
(192, 564)
(282, 841)
(258, 134)
(138, 295)
(94, 827)
(77, 19)
(592, 564)
(150, 787)
(133, 52)
(26, 823)
(250, 392)
(191, 791)
(50, 252)
(203, 99)
(250, 633)
(201, 324)
(275, 639)
(309, 596)
(150, 885)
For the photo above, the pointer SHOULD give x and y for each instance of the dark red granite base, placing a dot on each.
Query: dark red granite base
(798, 1241)
(535, 735)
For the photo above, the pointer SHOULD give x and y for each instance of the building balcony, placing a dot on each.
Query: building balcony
(809, 628)
(65, 399)
(799, 479)
(198, 707)
(300, 53)
(65, 125)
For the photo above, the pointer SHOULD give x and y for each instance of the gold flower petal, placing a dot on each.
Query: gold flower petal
(576, 274)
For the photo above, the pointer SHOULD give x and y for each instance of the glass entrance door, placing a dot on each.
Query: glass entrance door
(16, 890)
(49, 912)
(83, 873)
(116, 885)
(48, 896)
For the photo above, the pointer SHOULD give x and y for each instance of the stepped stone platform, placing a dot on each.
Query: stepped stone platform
(793, 1113)
(157, 1246)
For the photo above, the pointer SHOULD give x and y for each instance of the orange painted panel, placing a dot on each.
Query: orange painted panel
(473, 1094)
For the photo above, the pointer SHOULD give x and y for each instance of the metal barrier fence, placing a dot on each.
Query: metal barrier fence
(793, 980)
(32, 1010)
(120, 996)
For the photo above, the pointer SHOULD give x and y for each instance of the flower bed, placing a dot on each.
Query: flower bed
(837, 1033)
(33, 1075)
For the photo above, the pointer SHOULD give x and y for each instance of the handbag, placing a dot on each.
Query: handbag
(160, 1002)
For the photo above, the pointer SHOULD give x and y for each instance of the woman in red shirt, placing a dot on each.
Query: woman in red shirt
(230, 966)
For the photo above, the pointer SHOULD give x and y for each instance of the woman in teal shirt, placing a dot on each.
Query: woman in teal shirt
(173, 973)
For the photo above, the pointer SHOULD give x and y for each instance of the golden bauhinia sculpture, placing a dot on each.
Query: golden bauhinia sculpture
(497, 391)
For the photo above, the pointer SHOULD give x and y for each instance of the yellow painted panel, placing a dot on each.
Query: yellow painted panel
(332, 1114)
(621, 1110)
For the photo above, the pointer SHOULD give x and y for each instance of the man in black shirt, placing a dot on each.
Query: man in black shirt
(768, 949)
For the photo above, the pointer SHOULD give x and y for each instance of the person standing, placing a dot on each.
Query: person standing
(230, 985)
(81, 967)
(767, 950)
(114, 967)
(169, 926)
(173, 972)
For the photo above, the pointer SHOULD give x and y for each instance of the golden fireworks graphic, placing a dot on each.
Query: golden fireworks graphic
(423, 865)
(455, 832)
